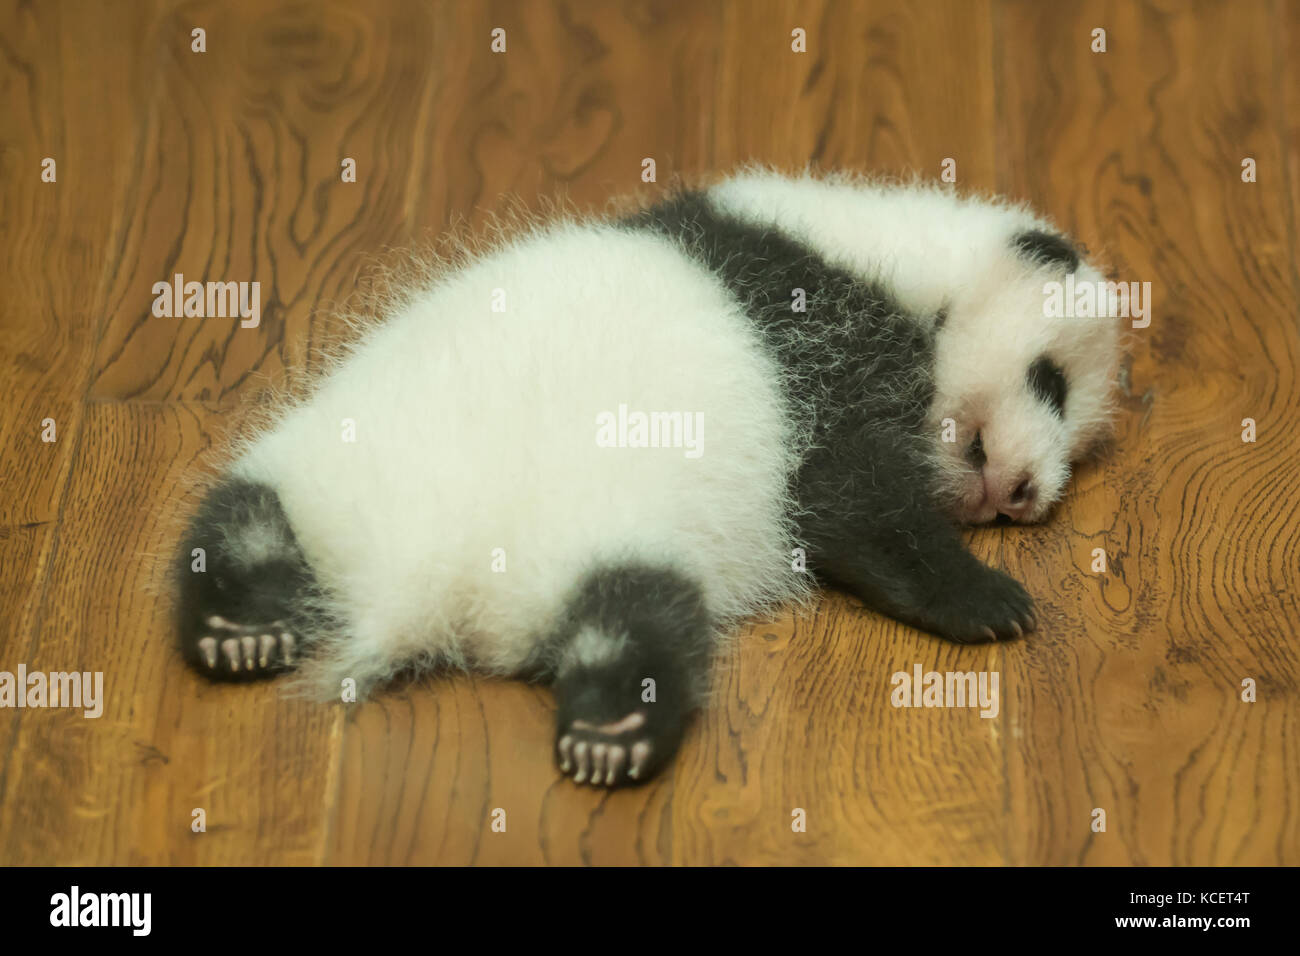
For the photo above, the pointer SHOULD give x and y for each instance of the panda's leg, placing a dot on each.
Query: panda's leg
(630, 665)
(919, 572)
(876, 531)
(243, 584)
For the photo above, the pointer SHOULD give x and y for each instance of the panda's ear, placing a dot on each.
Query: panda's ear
(1046, 248)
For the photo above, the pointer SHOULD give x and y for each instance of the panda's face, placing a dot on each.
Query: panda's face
(1019, 395)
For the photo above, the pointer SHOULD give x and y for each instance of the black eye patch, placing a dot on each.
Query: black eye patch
(1046, 248)
(1047, 382)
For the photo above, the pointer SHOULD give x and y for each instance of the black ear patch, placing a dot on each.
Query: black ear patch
(1047, 382)
(1046, 248)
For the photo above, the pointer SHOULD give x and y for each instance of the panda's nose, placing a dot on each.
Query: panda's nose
(1016, 497)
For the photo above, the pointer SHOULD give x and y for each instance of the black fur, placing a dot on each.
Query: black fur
(251, 592)
(1047, 248)
(867, 510)
(1047, 381)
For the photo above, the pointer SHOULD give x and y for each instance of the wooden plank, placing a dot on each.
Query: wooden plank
(891, 88)
(238, 177)
(55, 243)
(1129, 700)
(876, 782)
(122, 787)
(582, 95)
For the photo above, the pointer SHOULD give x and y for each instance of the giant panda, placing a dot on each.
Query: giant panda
(584, 456)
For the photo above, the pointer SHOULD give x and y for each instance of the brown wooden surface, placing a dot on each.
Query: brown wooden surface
(226, 165)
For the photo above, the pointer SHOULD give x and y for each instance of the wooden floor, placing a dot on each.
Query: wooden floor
(226, 164)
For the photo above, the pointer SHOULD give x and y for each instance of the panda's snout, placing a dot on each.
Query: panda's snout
(1012, 498)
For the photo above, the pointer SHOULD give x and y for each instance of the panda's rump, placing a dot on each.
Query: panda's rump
(459, 472)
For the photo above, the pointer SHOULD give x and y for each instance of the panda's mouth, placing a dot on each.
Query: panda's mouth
(973, 504)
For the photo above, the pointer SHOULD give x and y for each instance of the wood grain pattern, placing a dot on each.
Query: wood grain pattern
(226, 165)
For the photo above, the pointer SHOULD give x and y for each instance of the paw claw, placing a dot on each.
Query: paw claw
(230, 648)
(640, 754)
(580, 755)
(208, 647)
(616, 757)
(606, 754)
(246, 651)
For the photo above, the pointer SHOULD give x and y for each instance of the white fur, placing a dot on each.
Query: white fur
(254, 544)
(935, 249)
(591, 647)
(476, 431)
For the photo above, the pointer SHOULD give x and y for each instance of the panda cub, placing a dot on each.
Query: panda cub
(670, 422)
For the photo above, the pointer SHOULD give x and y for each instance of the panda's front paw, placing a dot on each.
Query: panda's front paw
(980, 605)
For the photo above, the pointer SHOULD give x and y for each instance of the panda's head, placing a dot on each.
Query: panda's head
(1020, 393)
